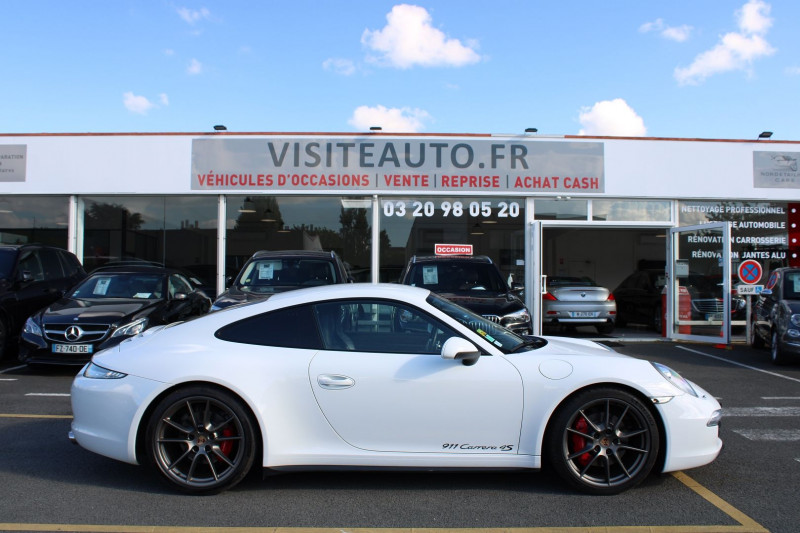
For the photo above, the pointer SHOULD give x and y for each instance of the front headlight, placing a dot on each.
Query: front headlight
(517, 317)
(795, 319)
(675, 378)
(94, 371)
(32, 328)
(131, 329)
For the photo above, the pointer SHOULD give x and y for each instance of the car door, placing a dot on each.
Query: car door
(383, 385)
(36, 283)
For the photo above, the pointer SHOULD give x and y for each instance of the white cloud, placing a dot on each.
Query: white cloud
(164, 99)
(611, 117)
(736, 50)
(345, 67)
(792, 71)
(405, 120)
(137, 104)
(195, 67)
(409, 39)
(673, 33)
(191, 16)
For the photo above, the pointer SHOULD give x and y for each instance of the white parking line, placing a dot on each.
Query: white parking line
(738, 364)
(8, 379)
(47, 394)
(780, 397)
(761, 411)
(774, 435)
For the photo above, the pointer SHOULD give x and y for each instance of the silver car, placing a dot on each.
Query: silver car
(573, 301)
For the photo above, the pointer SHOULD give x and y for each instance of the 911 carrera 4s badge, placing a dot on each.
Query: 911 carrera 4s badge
(479, 447)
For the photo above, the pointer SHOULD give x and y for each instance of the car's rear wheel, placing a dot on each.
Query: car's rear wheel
(605, 329)
(201, 439)
(777, 353)
(602, 441)
(3, 338)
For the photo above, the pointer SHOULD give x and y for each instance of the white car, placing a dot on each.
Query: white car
(383, 376)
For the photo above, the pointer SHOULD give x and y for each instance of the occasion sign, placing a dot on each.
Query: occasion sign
(424, 164)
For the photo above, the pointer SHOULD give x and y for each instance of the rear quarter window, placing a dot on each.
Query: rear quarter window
(294, 327)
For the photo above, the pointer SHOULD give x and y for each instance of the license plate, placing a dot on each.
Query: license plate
(583, 314)
(714, 317)
(72, 348)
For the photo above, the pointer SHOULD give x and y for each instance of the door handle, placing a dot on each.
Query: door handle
(335, 381)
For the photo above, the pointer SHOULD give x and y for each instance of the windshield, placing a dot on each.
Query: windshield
(7, 258)
(121, 285)
(457, 276)
(283, 274)
(791, 286)
(502, 338)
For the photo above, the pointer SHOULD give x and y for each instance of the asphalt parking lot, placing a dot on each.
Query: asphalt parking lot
(51, 485)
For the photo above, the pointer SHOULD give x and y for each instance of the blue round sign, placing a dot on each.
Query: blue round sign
(750, 272)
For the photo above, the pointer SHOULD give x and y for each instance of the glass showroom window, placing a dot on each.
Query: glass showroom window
(42, 219)
(413, 226)
(179, 231)
(330, 223)
(620, 210)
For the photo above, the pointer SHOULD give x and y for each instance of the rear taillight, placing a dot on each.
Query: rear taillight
(610, 298)
(548, 296)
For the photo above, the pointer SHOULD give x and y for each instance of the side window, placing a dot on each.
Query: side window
(286, 328)
(31, 262)
(178, 284)
(69, 263)
(51, 266)
(380, 327)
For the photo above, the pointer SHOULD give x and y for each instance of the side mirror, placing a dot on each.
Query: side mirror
(460, 349)
(765, 292)
(179, 296)
(26, 276)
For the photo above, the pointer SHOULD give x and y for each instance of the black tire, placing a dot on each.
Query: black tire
(755, 340)
(201, 440)
(602, 441)
(658, 319)
(776, 352)
(3, 339)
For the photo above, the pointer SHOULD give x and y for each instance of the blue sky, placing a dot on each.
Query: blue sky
(725, 69)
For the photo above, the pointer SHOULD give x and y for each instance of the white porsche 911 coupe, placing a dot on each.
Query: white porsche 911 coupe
(383, 376)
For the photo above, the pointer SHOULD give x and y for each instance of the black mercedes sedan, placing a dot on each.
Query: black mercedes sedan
(110, 305)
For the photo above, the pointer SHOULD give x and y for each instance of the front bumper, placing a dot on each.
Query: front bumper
(691, 441)
(106, 413)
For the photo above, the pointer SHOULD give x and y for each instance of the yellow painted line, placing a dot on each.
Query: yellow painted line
(719, 503)
(746, 524)
(14, 415)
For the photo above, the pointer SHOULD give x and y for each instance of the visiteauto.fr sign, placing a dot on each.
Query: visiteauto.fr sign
(360, 165)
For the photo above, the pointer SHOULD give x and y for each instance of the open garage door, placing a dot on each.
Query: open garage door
(698, 283)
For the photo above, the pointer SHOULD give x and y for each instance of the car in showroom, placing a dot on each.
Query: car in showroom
(573, 301)
(110, 305)
(474, 282)
(323, 378)
(775, 317)
(32, 276)
(640, 299)
(270, 272)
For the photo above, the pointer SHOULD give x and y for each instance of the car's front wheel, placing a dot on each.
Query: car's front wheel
(602, 441)
(777, 353)
(201, 439)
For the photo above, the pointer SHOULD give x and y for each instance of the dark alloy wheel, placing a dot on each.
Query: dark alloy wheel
(603, 441)
(775, 350)
(201, 440)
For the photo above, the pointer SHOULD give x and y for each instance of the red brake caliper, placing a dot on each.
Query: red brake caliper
(579, 442)
(226, 446)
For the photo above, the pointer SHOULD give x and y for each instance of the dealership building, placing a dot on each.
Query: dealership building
(596, 207)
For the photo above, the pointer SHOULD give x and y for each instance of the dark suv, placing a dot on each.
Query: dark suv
(473, 282)
(268, 272)
(32, 276)
(776, 316)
